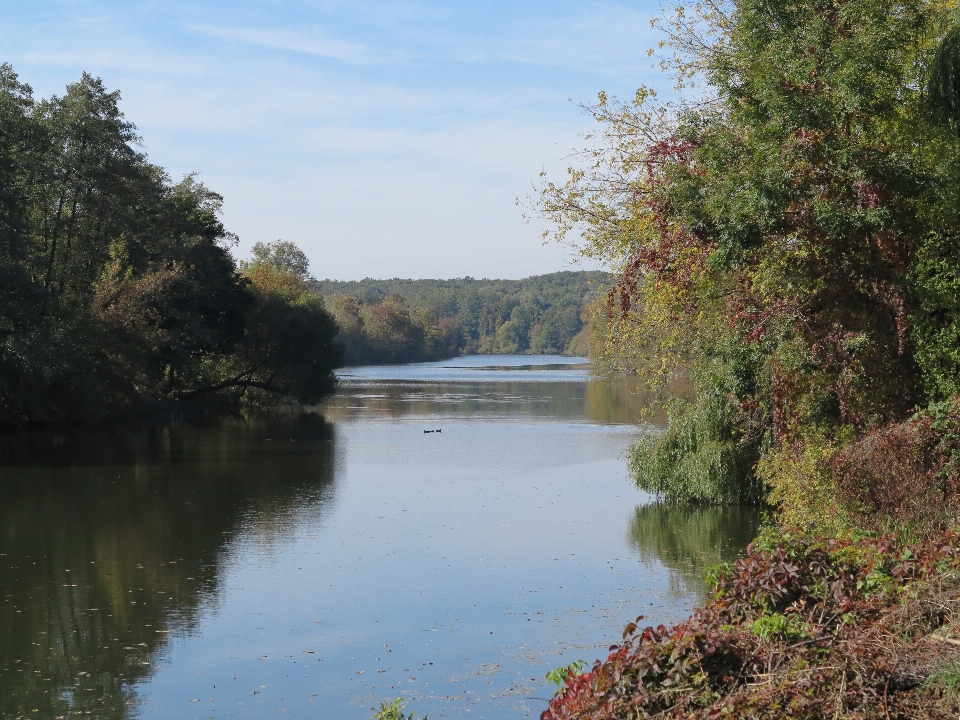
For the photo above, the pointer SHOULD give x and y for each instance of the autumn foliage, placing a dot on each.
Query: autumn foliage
(844, 628)
(786, 238)
(788, 245)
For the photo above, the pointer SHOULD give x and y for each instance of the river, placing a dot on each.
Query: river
(443, 532)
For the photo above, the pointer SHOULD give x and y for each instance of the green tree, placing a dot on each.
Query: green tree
(393, 332)
(513, 336)
(283, 255)
(352, 329)
(784, 240)
(464, 315)
(94, 184)
(118, 292)
(288, 349)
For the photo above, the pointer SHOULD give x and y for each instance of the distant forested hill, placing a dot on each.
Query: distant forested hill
(384, 321)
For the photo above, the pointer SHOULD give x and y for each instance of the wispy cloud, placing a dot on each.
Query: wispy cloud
(360, 129)
(315, 41)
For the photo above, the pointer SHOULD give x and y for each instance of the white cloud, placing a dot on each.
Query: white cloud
(389, 141)
(313, 42)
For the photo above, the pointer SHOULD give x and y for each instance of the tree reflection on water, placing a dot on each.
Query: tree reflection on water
(688, 539)
(617, 399)
(111, 539)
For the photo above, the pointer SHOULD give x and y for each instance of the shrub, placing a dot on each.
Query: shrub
(802, 486)
(904, 476)
(778, 627)
(560, 675)
(702, 457)
(864, 608)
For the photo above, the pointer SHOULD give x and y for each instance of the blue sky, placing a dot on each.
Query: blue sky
(387, 139)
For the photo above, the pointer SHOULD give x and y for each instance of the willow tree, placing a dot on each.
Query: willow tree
(786, 236)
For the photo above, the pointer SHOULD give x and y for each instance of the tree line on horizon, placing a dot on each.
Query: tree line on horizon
(388, 321)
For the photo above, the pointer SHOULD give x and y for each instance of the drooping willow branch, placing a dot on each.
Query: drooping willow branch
(943, 86)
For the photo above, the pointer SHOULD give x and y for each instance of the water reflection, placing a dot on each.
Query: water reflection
(687, 540)
(614, 400)
(144, 569)
(110, 541)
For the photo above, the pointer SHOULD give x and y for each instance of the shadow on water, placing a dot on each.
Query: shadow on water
(112, 539)
(689, 539)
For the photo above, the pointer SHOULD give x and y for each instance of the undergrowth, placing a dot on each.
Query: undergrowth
(858, 627)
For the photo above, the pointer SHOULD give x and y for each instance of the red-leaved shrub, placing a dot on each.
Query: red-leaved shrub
(904, 474)
(804, 628)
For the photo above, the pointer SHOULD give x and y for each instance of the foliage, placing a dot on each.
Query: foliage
(118, 293)
(774, 626)
(385, 321)
(802, 486)
(943, 85)
(786, 238)
(700, 458)
(281, 255)
(394, 711)
(560, 675)
(799, 628)
(905, 476)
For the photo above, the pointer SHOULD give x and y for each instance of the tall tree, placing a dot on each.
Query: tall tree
(786, 239)
(118, 292)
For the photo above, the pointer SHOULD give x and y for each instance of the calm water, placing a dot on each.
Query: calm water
(312, 566)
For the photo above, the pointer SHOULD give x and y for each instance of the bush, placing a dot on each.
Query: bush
(702, 457)
(802, 486)
(904, 476)
(807, 628)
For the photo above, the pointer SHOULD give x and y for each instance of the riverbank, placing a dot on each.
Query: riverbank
(841, 628)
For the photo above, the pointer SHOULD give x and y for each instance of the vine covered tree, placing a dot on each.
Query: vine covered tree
(787, 236)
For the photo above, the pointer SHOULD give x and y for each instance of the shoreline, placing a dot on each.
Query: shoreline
(823, 627)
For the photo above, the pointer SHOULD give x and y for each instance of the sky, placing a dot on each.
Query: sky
(386, 139)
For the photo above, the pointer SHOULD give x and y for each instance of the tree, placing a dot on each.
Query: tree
(118, 292)
(282, 255)
(393, 333)
(463, 315)
(785, 240)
